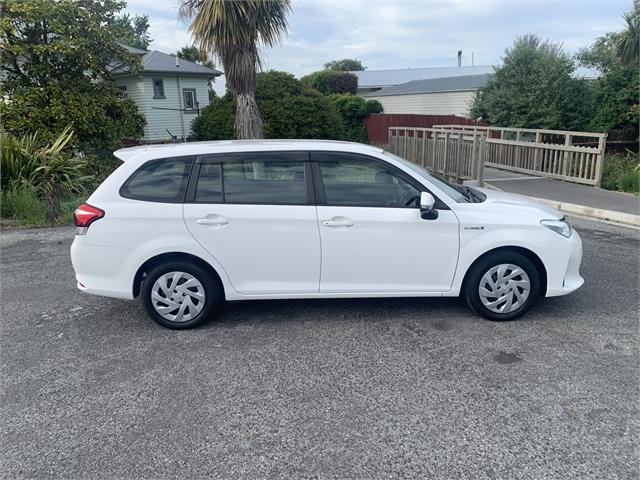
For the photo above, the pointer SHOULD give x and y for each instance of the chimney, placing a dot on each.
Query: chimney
(459, 58)
(177, 62)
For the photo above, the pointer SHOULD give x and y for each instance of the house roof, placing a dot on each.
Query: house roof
(432, 85)
(385, 78)
(155, 61)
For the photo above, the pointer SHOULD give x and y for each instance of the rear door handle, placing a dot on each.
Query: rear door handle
(338, 222)
(212, 220)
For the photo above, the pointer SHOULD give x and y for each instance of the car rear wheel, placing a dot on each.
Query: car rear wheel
(502, 286)
(180, 295)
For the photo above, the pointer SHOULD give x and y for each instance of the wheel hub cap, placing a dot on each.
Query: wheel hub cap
(504, 288)
(178, 296)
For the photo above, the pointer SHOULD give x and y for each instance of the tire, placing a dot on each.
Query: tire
(512, 298)
(192, 304)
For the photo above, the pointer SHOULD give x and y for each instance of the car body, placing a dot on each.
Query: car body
(269, 219)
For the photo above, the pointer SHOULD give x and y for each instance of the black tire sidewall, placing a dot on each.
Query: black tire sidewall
(213, 296)
(472, 296)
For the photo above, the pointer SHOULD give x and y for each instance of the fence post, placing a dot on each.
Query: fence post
(434, 139)
(565, 157)
(474, 157)
(538, 165)
(445, 162)
(458, 159)
(481, 154)
(600, 158)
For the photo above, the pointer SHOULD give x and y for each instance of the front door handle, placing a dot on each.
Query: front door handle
(212, 220)
(338, 222)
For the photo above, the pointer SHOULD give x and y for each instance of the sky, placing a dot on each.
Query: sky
(386, 34)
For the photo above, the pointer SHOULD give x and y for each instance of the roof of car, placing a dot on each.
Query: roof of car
(147, 152)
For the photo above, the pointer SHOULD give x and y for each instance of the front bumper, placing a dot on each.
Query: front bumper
(571, 280)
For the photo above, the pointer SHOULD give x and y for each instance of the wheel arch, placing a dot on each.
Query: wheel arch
(161, 258)
(531, 256)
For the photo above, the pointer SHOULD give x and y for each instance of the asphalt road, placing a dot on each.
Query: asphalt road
(402, 388)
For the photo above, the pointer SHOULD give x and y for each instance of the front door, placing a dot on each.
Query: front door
(254, 213)
(373, 238)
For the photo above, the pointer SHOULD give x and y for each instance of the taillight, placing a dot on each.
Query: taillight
(84, 216)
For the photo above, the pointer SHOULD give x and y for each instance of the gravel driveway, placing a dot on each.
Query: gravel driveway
(383, 388)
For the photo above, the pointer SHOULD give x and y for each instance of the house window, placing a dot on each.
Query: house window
(189, 99)
(158, 88)
(123, 91)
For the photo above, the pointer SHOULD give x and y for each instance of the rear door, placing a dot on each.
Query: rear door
(255, 213)
(373, 238)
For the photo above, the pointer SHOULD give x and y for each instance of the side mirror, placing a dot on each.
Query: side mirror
(427, 202)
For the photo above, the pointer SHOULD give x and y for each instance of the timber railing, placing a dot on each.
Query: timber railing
(565, 155)
(456, 155)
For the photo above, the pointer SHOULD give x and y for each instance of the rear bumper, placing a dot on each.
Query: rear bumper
(571, 280)
(99, 269)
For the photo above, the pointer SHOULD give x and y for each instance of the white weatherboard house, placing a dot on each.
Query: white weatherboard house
(435, 96)
(169, 91)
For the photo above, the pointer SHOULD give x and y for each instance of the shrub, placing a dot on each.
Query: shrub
(50, 171)
(289, 109)
(332, 81)
(354, 110)
(621, 172)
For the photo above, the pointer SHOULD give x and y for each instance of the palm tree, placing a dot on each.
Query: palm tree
(629, 39)
(232, 31)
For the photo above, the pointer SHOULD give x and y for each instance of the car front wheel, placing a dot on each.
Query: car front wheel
(502, 286)
(180, 295)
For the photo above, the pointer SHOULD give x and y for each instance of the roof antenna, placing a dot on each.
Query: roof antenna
(459, 58)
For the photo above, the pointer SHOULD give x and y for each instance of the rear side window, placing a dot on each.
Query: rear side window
(254, 178)
(164, 180)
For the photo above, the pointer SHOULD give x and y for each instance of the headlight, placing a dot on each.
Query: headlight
(561, 226)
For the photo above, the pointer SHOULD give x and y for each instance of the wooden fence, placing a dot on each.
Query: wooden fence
(378, 124)
(571, 156)
(453, 154)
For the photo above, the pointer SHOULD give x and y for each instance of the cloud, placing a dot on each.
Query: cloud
(407, 33)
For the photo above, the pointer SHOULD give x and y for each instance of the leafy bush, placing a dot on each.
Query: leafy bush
(50, 171)
(332, 81)
(289, 109)
(621, 172)
(354, 110)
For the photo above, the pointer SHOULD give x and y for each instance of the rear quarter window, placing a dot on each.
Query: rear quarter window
(162, 180)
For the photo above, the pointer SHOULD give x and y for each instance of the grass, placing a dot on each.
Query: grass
(621, 172)
(23, 208)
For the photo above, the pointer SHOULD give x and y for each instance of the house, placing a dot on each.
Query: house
(433, 96)
(169, 91)
(373, 80)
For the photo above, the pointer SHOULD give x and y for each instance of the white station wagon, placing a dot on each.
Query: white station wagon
(188, 226)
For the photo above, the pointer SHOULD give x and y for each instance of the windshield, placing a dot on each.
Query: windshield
(456, 192)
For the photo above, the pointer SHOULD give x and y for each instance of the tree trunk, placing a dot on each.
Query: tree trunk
(248, 123)
(53, 204)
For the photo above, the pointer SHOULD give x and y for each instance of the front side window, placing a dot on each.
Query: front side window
(253, 178)
(352, 180)
(163, 180)
(189, 99)
(158, 88)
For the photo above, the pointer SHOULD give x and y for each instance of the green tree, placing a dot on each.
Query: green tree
(628, 42)
(289, 109)
(613, 96)
(534, 88)
(331, 81)
(232, 31)
(56, 58)
(132, 31)
(354, 110)
(194, 55)
(345, 65)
